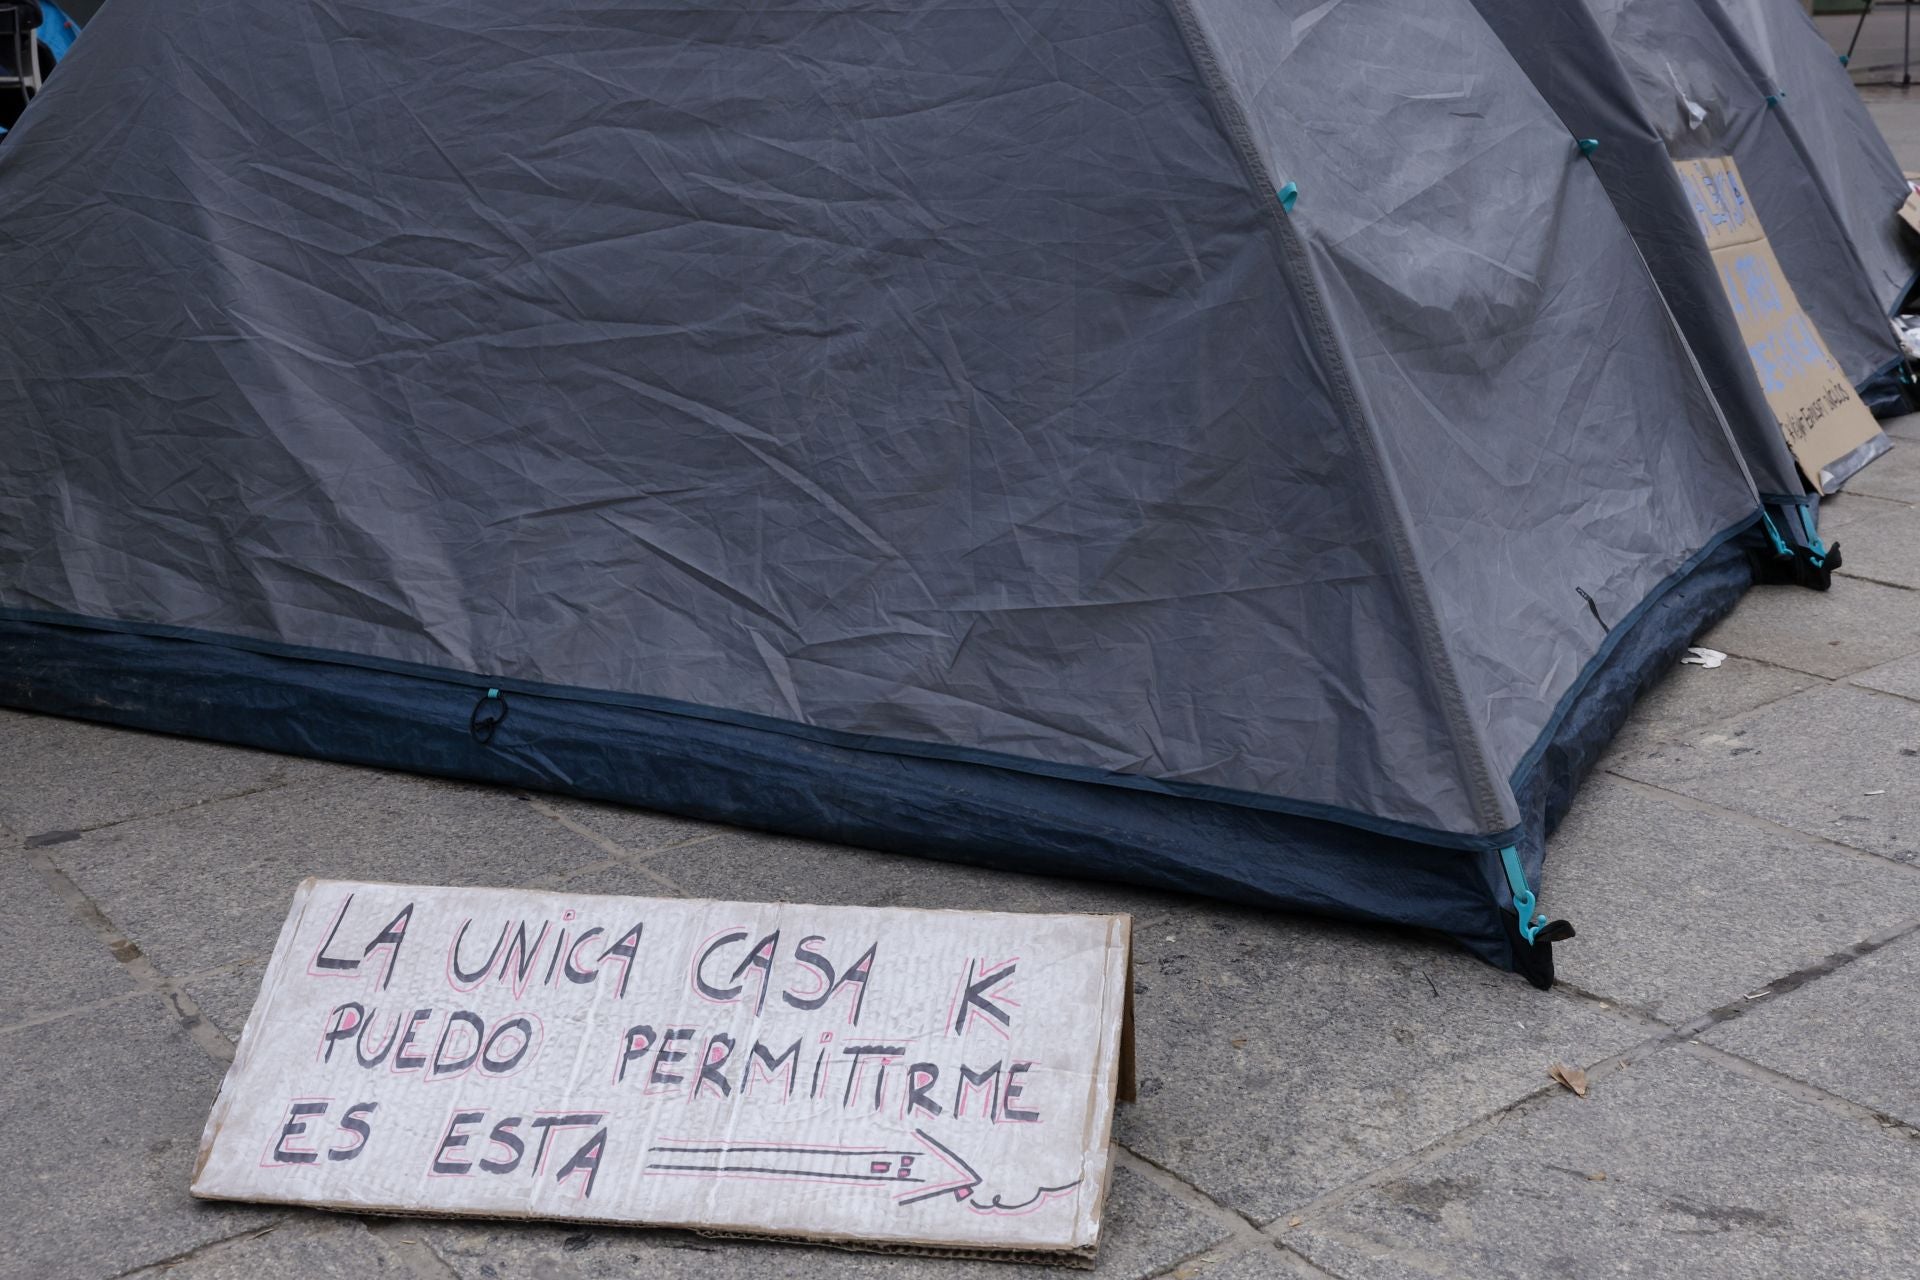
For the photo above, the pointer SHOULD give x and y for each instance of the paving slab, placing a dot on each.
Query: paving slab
(1682, 911)
(100, 1116)
(209, 887)
(1834, 633)
(1235, 1261)
(1279, 1055)
(1904, 428)
(55, 961)
(1885, 548)
(1837, 762)
(1147, 1230)
(1692, 697)
(1894, 475)
(1900, 677)
(1707, 1173)
(70, 775)
(1848, 510)
(306, 1246)
(225, 998)
(1850, 1032)
(634, 831)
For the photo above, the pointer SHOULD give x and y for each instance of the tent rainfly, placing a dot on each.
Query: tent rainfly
(1214, 444)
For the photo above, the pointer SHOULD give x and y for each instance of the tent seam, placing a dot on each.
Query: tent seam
(1470, 751)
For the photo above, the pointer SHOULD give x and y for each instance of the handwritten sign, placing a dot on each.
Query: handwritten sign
(882, 1078)
(1821, 416)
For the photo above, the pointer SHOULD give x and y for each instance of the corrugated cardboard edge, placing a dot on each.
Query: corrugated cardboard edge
(1118, 1075)
(269, 983)
(1079, 1259)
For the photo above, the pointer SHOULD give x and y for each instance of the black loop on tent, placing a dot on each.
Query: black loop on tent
(1534, 960)
(1594, 609)
(487, 715)
(1799, 566)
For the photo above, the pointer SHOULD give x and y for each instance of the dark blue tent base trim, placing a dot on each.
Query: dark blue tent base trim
(1885, 390)
(957, 810)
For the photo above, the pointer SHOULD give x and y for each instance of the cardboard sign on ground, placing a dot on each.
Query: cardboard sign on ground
(1821, 416)
(878, 1078)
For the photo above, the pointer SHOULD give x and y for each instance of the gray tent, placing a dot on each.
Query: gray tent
(1602, 65)
(1699, 94)
(1823, 113)
(1115, 440)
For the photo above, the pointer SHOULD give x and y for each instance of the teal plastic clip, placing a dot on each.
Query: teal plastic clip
(1288, 194)
(1523, 903)
(1773, 532)
(1588, 145)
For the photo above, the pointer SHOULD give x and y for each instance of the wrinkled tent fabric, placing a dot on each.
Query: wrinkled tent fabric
(1824, 115)
(926, 428)
(1700, 97)
(1560, 46)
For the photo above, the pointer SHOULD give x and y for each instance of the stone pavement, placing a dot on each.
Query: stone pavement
(1744, 869)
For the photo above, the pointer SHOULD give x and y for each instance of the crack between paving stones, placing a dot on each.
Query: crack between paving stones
(181, 980)
(42, 1019)
(1885, 693)
(1878, 582)
(1430, 1263)
(617, 853)
(1239, 1225)
(1682, 800)
(209, 803)
(1792, 981)
(1683, 1038)
(416, 1257)
(1297, 1263)
(1799, 1089)
(211, 1247)
(211, 1040)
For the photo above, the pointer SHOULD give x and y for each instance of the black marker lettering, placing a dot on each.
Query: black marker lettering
(461, 978)
(547, 1124)
(723, 995)
(1011, 1095)
(295, 1126)
(497, 1066)
(976, 998)
(360, 1041)
(391, 936)
(342, 1024)
(759, 1054)
(626, 948)
(921, 1077)
(712, 1069)
(321, 959)
(633, 1047)
(503, 1135)
(402, 1061)
(761, 958)
(587, 1158)
(452, 1140)
(352, 1123)
(580, 975)
(668, 1055)
(971, 1080)
(515, 973)
(443, 1067)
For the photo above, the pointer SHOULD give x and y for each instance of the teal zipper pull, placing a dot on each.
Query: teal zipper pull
(1288, 194)
(1523, 903)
